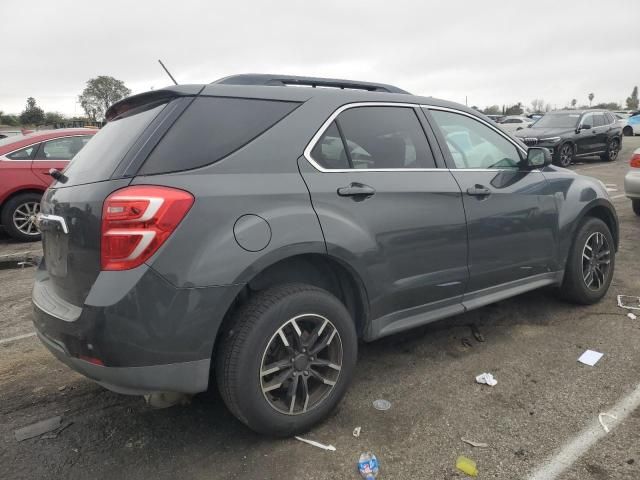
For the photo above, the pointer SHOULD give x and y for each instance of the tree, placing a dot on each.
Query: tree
(11, 120)
(537, 104)
(492, 110)
(32, 114)
(51, 118)
(100, 93)
(514, 109)
(632, 101)
(608, 106)
(573, 103)
(591, 96)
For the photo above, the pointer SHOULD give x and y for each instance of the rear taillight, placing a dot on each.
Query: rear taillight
(136, 221)
(635, 160)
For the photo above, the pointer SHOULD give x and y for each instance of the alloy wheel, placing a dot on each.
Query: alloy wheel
(596, 258)
(614, 148)
(24, 218)
(565, 155)
(301, 364)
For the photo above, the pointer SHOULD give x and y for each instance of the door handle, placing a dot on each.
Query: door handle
(478, 191)
(356, 190)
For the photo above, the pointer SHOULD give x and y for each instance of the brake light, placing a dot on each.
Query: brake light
(635, 161)
(136, 221)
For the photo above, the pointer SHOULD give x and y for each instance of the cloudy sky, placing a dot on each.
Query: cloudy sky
(491, 51)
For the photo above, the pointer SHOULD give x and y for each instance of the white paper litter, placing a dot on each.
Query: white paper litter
(487, 379)
(475, 444)
(627, 301)
(317, 444)
(590, 357)
(606, 429)
(356, 431)
(631, 316)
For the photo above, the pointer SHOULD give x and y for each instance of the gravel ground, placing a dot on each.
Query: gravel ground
(543, 398)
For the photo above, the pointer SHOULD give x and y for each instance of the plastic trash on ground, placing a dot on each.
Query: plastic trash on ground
(590, 357)
(382, 404)
(466, 465)
(356, 431)
(627, 301)
(475, 444)
(331, 448)
(632, 316)
(368, 466)
(486, 379)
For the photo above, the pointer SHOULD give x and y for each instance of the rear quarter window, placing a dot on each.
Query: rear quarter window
(211, 129)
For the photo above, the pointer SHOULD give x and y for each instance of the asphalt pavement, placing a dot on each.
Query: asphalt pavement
(541, 417)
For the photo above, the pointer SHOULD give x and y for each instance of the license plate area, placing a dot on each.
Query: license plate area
(56, 250)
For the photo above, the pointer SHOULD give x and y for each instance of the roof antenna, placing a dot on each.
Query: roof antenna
(168, 73)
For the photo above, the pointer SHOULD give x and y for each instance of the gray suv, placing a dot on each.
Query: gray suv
(251, 231)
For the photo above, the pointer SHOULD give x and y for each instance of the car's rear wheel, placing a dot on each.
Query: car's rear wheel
(287, 359)
(627, 131)
(590, 263)
(19, 217)
(564, 155)
(613, 148)
(635, 204)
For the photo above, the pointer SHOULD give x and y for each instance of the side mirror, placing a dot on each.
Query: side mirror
(538, 157)
(584, 126)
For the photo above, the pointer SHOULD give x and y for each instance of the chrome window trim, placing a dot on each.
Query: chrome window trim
(332, 117)
(4, 158)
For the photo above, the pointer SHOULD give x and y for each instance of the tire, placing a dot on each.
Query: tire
(564, 155)
(18, 217)
(635, 204)
(613, 149)
(575, 286)
(256, 338)
(627, 131)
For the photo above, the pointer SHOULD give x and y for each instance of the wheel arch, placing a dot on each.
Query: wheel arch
(602, 210)
(321, 270)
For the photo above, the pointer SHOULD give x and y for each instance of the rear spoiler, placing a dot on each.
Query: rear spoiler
(153, 96)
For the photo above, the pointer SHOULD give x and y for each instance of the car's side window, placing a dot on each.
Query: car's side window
(329, 151)
(587, 120)
(23, 154)
(473, 144)
(385, 138)
(62, 148)
(598, 120)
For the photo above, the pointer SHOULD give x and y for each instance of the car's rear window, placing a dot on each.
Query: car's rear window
(212, 128)
(102, 154)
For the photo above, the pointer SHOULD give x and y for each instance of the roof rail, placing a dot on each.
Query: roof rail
(284, 80)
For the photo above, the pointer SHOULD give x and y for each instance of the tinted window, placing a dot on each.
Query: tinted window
(107, 148)
(598, 120)
(472, 144)
(24, 154)
(558, 120)
(512, 120)
(385, 137)
(587, 120)
(329, 152)
(212, 128)
(62, 148)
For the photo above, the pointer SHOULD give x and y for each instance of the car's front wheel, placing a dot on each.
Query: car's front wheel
(287, 359)
(590, 264)
(627, 131)
(613, 148)
(19, 217)
(564, 155)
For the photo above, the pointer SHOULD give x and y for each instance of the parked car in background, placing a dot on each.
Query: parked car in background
(631, 124)
(4, 133)
(632, 182)
(25, 161)
(495, 118)
(258, 231)
(513, 123)
(575, 133)
(535, 116)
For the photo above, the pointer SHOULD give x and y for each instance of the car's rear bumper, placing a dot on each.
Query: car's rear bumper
(136, 332)
(632, 183)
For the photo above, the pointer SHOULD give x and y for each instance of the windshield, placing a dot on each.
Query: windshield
(558, 120)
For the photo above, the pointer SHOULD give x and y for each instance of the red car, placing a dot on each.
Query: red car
(25, 161)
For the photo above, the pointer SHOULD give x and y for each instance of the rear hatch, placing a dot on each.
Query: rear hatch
(72, 206)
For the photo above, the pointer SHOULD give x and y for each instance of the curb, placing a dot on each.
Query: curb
(12, 260)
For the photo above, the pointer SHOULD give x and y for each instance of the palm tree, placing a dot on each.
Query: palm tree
(591, 95)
